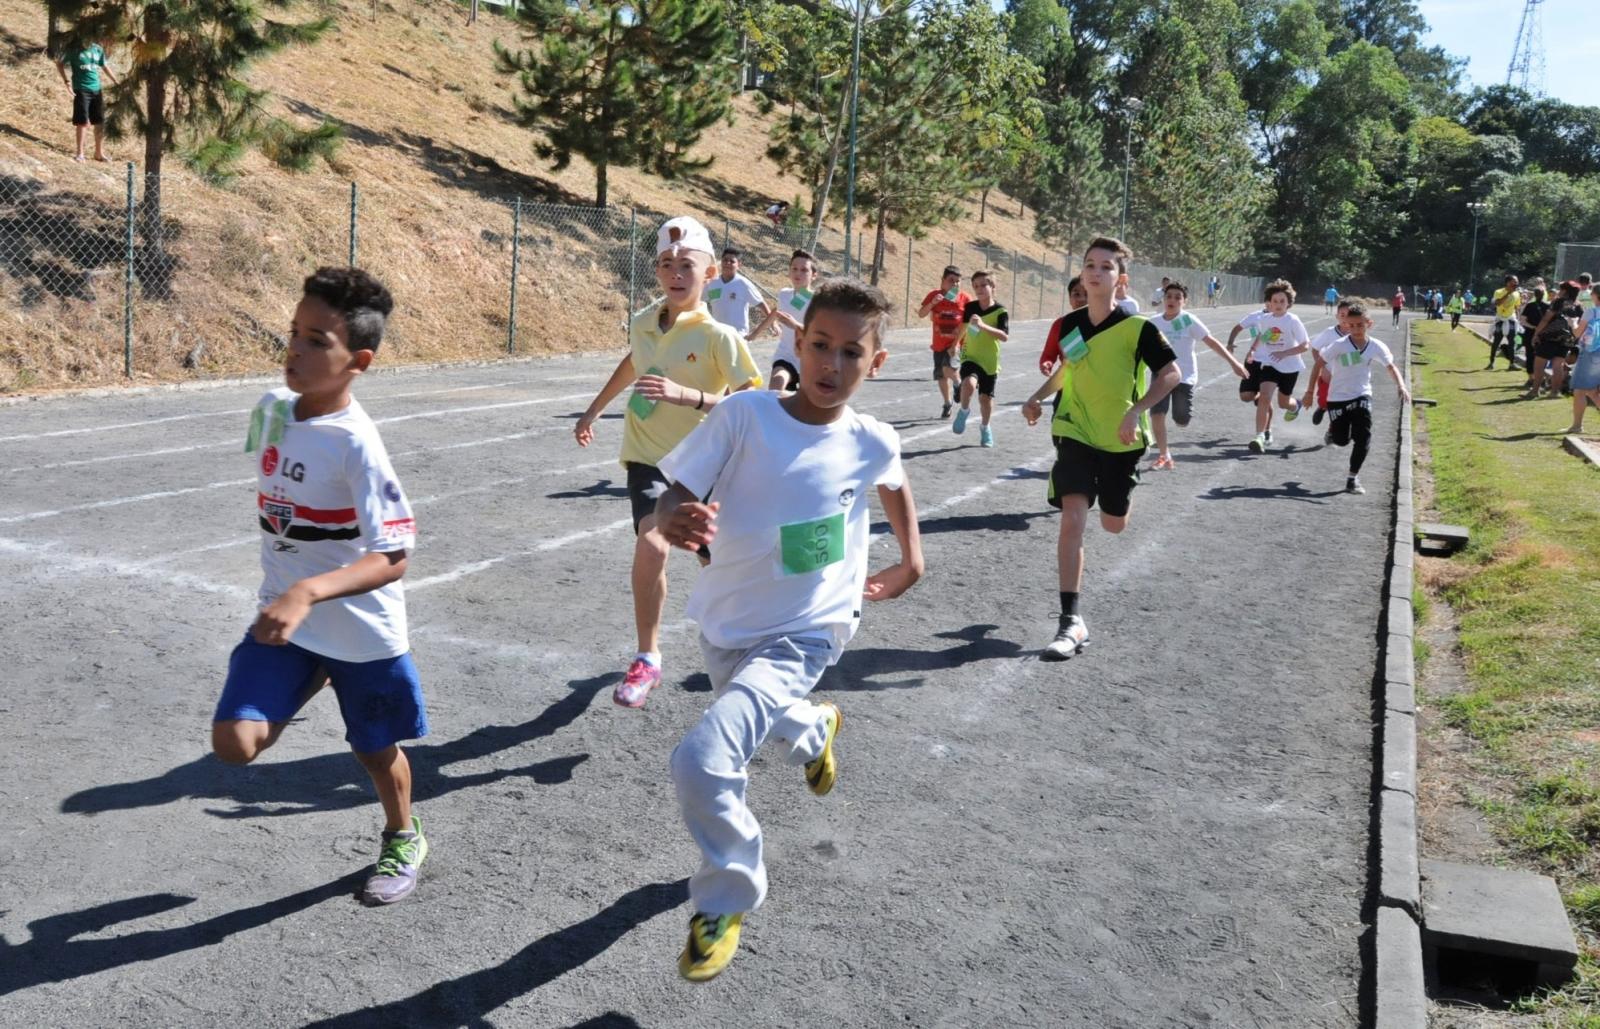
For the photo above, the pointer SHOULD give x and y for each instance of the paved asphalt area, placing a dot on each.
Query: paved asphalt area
(1170, 830)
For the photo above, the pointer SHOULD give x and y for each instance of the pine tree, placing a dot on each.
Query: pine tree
(186, 88)
(624, 84)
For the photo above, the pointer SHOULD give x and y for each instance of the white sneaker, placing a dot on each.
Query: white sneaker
(1071, 638)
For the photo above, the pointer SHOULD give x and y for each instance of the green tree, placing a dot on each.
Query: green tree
(623, 84)
(186, 88)
(1528, 214)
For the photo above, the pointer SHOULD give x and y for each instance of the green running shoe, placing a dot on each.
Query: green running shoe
(398, 864)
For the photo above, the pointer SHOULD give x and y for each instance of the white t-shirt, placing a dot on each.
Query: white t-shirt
(790, 554)
(1351, 369)
(1183, 332)
(1272, 335)
(730, 302)
(1128, 305)
(326, 496)
(793, 305)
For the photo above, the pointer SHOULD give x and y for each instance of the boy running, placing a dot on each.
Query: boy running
(1455, 307)
(1100, 429)
(1182, 331)
(1397, 303)
(1330, 296)
(1347, 365)
(1077, 297)
(791, 474)
(791, 309)
(680, 364)
(946, 307)
(730, 296)
(1277, 339)
(988, 326)
(1317, 388)
(336, 531)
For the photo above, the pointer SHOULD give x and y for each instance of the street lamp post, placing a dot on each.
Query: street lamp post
(1472, 269)
(1133, 105)
(855, 96)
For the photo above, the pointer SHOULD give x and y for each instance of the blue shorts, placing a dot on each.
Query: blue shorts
(381, 701)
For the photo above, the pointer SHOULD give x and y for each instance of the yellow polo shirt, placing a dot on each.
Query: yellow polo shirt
(1506, 302)
(696, 352)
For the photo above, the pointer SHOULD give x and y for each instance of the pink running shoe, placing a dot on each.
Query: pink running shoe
(635, 687)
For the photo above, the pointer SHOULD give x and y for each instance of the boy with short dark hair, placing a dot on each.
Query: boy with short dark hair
(1277, 339)
(1182, 331)
(87, 60)
(988, 325)
(731, 295)
(790, 474)
(1347, 365)
(681, 364)
(336, 532)
(1101, 424)
(946, 306)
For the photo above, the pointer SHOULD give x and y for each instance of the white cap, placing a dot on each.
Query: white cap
(685, 233)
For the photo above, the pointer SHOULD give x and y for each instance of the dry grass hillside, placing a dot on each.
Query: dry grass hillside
(437, 160)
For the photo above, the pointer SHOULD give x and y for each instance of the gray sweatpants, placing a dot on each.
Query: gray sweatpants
(759, 692)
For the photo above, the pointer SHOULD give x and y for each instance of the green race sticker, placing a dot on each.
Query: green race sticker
(1182, 322)
(949, 294)
(641, 405)
(1074, 348)
(715, 293)
(800, 300)
(808, 546)
(280, 418)
(258, 418)
(1352, 359)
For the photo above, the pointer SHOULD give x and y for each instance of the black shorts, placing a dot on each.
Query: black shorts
(985, 380)
(794, 374)
(943, 359)
(1349, 419)
(1550, 349)
(1106, 475)
(645, 486)
(1251, 383)
(88, 108)
(1180, 402)
(1261, 374)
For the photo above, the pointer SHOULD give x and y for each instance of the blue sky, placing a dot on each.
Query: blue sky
(1484, 32)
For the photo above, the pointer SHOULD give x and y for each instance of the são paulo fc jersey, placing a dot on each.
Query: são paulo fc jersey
(326, 495)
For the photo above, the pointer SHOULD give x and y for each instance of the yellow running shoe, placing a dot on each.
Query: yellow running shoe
(712, 942)
(821, 770)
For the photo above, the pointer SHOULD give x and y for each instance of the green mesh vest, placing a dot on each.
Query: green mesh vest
(1101, 386)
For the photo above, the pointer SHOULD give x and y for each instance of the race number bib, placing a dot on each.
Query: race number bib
(1182, 322)
(800, 300)
(805, 547)
(1074, 348)
(269, 422)
(641, 405)
(1351, 359)
(715, 293)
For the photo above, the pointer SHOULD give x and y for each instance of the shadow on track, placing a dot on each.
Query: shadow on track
(53, 955)
(860, 670)
(1288, 491)
(466, 1000)
(335, 782)
(603, 488)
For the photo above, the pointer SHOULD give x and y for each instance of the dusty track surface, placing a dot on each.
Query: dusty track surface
(1169, 830)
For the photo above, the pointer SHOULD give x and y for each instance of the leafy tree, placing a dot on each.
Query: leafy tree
(623, 84)
(1528, 214)
(186, 87)
(1553, 135)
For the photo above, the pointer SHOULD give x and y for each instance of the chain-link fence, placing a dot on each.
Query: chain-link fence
(111, 276)
(1573, 259)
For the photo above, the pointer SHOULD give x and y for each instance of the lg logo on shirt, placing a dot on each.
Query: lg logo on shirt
(294, 470)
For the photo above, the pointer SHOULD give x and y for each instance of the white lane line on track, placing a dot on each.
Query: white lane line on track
(475, 567)
(234, 412)
(51, 559)
(216, 445)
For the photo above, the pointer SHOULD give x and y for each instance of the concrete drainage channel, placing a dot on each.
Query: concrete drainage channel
(1427, 909)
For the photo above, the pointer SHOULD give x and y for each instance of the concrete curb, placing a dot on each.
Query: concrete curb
(1581, 447)
(1400, 997)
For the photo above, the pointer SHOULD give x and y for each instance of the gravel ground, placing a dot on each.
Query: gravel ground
(1170, 830)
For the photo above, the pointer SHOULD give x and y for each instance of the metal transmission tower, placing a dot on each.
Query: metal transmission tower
(1527, 58)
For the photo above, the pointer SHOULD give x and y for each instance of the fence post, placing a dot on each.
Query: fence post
(1042, 267)
(633, 262)
(952, 254)
(353, 224)
(908, 282)
(127, 286)
(726, 236)
(1016, 271)
(516, 269)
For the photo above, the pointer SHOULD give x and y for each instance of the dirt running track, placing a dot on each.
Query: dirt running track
(1169, 831)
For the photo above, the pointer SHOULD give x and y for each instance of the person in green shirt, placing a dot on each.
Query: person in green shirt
(87, 60)
(988, 326)
(1101, 424)
(1454, 309)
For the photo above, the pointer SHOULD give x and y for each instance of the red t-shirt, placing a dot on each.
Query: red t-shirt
(1052, 344)
(946, 313)
(1397, 301)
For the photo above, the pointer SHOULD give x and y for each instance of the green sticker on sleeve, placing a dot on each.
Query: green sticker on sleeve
(257, 419)
(1074, 348)
(808, 546)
